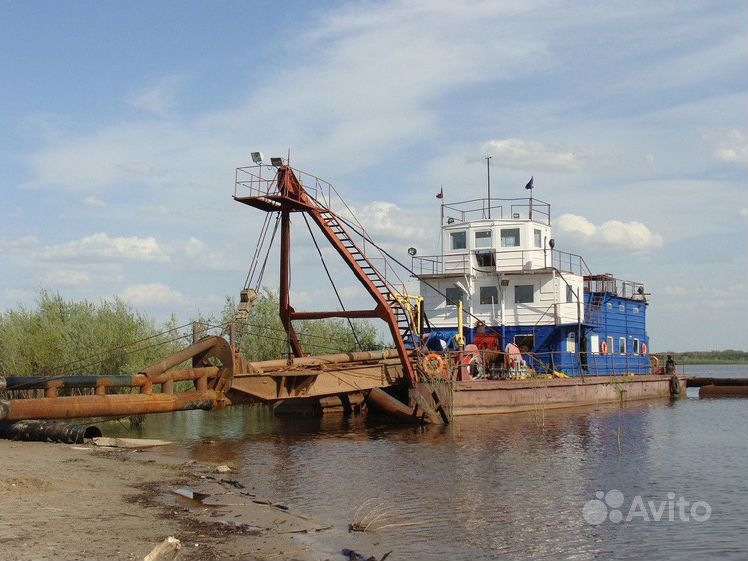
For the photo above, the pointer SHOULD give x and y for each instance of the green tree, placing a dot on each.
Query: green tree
(64, 337)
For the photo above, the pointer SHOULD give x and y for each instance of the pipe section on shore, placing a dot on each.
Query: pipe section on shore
(48, 431)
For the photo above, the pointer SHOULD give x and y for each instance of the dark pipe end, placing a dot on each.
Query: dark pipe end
(92, 432)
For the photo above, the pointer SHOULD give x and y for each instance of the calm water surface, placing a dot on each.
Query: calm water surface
(503, 486)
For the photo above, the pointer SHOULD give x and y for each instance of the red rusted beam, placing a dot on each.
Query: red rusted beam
(178, 358)
(285, 284)
(107, 406)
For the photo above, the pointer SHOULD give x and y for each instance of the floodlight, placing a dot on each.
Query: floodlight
(515, 215)
(412, 251)
(504, 282)
(277, 162)
(551, 243)
(257, 157)
(450, 220)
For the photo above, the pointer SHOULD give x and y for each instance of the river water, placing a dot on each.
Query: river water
(505, 486)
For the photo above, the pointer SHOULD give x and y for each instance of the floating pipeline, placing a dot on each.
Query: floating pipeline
(107, 405)
(711, 391)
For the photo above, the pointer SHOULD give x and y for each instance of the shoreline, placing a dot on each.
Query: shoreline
(68, 502)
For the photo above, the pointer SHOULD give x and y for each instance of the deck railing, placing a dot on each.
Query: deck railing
(497, 365)
(497, 209)
(502, 261)
(608, 283)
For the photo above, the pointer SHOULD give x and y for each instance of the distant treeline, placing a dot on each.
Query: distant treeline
(709, 357)
(58, 336)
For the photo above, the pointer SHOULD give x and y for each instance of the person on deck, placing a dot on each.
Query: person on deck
(670, 365)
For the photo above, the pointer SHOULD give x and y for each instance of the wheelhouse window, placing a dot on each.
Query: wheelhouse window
(483, 239)
(458, 240)
(454, 295)
(510, 237)
(489, 295)
(636, 348)
(622, 345)
(569, 294)
(485, 258)
(524, 294)
(610, 344)
(538, 238)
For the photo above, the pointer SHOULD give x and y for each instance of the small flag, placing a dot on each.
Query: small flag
(440, 194)
(529, 184)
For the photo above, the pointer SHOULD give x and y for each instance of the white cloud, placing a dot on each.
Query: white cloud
(387, 221)
(675, 291)
(93, 202)
(20, 244)
(101, 247)
(196, 255)
(733, 148)
(152, 294)
(633, 236)
(154, 210)
(81, 275)
(158, 98)
(66, 277)
(529, 156)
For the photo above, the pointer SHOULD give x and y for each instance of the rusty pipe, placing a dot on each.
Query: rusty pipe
(178, 358)
(135, 381)
(320, 360)
(106, 405)
(714, 390)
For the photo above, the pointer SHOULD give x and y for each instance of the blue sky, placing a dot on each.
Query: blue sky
(123, 123)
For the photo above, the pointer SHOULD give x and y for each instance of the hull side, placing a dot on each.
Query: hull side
(482, 397)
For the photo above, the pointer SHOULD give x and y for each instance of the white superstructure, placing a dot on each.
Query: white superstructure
(503, 267)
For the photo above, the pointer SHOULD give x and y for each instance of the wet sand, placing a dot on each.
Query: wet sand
(67, 502)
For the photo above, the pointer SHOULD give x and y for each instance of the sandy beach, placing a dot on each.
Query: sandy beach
(66, 502)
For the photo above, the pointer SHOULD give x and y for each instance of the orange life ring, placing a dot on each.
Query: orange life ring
(433, 365)
(604, 348)
(644, 348)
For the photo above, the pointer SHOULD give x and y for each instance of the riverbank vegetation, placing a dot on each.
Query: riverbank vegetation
(709, 357)
(59, 336)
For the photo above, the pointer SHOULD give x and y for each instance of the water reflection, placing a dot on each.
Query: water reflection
(504, 486)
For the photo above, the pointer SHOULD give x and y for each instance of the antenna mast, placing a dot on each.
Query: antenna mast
(488, 173)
